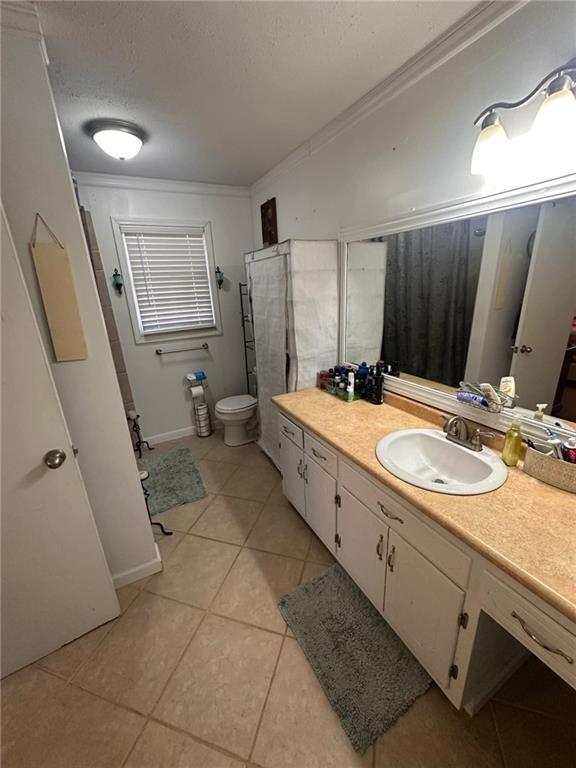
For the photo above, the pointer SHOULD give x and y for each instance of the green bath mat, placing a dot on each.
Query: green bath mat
(366, 671)
(174, 479)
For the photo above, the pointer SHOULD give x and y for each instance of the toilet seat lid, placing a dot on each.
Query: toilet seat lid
(236, 403)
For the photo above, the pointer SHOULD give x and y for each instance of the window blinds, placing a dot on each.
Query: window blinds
(170, 279)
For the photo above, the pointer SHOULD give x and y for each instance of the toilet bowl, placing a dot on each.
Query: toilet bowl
(235, 413)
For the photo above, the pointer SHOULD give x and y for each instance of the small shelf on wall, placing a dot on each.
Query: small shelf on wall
(248, 336)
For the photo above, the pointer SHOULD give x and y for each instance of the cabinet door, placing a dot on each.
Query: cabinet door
(320, 502)
(292, 464)
(422, 606)
(362, 546)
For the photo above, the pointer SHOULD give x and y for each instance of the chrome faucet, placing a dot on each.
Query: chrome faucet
(458, 431)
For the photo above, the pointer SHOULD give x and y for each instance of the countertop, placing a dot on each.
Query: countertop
(525, 527)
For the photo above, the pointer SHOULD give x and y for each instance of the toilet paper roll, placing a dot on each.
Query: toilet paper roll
(197, 391)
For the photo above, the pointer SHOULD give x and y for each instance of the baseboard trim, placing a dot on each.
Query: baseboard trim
(164, 437)
(139, 571)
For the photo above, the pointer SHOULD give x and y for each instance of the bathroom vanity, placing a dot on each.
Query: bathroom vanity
(470, 583)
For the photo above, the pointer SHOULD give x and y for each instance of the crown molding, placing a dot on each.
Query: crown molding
(21, 18)
(142, 184)
(461, 35)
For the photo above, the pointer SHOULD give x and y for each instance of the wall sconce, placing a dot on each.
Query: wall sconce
(553, 132)
(219, 278)
(117, 282)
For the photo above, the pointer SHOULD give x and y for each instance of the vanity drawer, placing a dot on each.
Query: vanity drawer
(543, 636)
(325, 458)
(288, 428)
(445, 556)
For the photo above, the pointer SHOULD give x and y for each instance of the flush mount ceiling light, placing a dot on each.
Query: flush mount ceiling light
(553, 131)
(118, 138)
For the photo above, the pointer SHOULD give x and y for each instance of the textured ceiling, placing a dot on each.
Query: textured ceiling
(225, 89)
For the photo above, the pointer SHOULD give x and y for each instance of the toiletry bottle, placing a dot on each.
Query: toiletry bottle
(350, 387)
(569, 450)
(378, 390)
(512, 444)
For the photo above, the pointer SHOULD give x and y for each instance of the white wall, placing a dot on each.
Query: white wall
(35, 177)
(414, 151)
(158, 383)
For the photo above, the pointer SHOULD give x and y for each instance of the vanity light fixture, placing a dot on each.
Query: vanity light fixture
(553, 129)
(118, 138)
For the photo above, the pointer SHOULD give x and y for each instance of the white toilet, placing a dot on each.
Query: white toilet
(235, 413)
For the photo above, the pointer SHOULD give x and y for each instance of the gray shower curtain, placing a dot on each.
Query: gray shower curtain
(431, 281)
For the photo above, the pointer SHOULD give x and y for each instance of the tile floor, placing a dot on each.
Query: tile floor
(199, 671)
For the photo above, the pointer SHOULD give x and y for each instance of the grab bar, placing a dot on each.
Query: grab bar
(186, 349)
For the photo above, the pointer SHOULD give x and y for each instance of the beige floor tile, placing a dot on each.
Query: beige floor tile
(161, 747)
(233, 454)
(68, 659)
(534, 686)
(433, 734)
(530, 740)
(277, 496)
(134, 661)
(253, 587)
(318, 552)
(167, 544)
(311, 570)
(194, 571)
(228, 519)
(199, 446)
(215, 474)
(183, 517)
(126, 596)
(280, 530)
(299, 727)
(218, 691)
(255, 483)
(49, 724)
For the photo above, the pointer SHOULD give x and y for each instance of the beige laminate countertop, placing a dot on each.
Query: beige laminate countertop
(525, 527)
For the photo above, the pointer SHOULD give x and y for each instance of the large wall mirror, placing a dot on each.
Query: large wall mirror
(472, 300)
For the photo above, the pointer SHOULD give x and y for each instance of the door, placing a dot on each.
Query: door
(422, 606)
(549, 306)
(55, 581)
(320, 502)
(292, 465)
(362, 546)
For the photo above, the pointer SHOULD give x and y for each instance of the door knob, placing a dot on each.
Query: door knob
(54, 458)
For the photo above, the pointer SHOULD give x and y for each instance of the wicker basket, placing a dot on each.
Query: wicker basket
(561, 474)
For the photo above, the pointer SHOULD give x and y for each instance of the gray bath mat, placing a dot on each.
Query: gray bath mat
(366, 671)
(174, 479)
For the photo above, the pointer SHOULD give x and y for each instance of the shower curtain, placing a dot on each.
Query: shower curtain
(431, 281)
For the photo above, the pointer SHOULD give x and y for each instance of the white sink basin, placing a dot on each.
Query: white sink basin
(424, 457)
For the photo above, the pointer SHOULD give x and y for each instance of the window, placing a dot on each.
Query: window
(171, 278)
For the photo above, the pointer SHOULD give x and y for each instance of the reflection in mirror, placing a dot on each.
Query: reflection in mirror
(473, 300)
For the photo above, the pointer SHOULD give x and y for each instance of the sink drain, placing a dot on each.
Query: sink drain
(440, 481)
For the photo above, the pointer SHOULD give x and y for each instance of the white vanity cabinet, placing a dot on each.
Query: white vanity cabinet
(361, 546)
(423, 607)
(310, 487)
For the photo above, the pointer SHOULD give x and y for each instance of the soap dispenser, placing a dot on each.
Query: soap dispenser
(512, 444)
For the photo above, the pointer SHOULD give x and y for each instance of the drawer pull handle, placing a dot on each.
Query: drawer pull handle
(389, 515)
(391, 558)
(380, 547)
(539, 642)
(299, 468)
(318, 455)
(287, 431)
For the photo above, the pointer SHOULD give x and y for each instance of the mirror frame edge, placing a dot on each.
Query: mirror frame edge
(554, 189)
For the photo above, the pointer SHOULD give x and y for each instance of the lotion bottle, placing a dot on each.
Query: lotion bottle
(512, 444)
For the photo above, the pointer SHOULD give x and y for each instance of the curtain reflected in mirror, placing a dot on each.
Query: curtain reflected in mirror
(473, 300)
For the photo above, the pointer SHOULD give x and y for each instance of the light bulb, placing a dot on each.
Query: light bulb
(490, 151)
(553, 133)
(118, 144)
